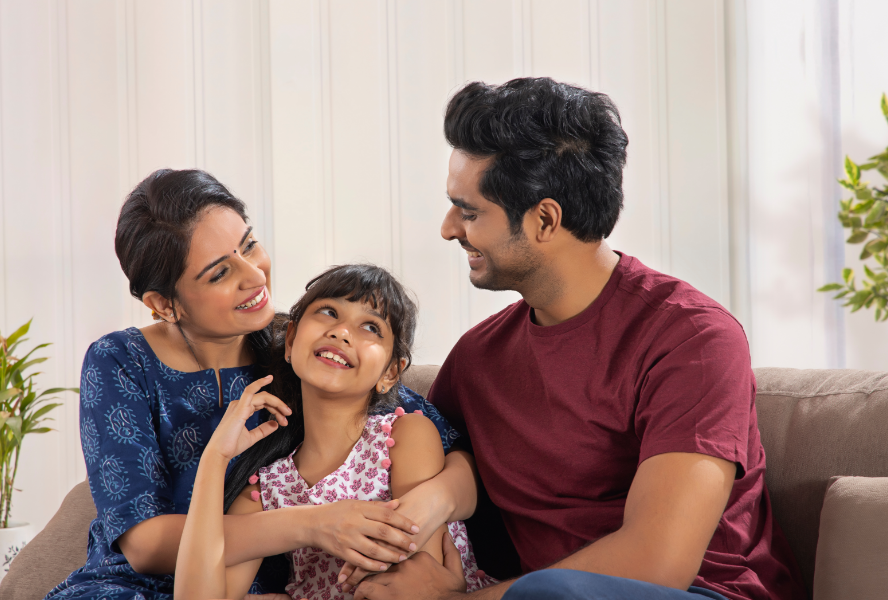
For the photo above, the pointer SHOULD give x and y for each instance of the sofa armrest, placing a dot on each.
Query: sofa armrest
(853, 546)
(55, 552)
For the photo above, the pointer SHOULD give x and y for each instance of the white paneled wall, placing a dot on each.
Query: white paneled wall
(325, 116)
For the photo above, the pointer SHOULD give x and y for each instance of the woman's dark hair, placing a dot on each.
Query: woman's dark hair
(547, 140)
(356, 283)
(154, 234)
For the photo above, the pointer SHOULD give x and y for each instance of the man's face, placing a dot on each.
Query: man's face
(498, 259)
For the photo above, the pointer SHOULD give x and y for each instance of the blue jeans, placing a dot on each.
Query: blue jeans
(565, 584)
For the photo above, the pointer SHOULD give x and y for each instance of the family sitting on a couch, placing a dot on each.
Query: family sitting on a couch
(607, 419)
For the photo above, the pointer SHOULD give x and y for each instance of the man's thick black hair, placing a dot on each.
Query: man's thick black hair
(547, 140)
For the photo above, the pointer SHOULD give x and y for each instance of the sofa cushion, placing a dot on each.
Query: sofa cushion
(853, 540)
(816, 424)
(55, 552)
(419, 378)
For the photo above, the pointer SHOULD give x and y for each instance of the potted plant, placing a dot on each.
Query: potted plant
(23, 411)
(864, 213)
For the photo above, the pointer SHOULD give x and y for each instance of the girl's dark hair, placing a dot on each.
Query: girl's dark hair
(547, 140)
(154, 233)
(355, 283)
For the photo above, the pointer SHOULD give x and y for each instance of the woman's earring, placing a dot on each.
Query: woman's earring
(287, 358)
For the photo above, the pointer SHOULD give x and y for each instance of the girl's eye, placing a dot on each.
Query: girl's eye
(327, 310)
(467, 216)
(372, 328)
(218, 275)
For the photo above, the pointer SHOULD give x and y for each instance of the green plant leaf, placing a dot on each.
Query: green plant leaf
(852, 170)
(830, 287)
(15, 425)
(884, 104)
(857, 236)
(41, 430)
(18, 333)
(847, 274)
(9, 393)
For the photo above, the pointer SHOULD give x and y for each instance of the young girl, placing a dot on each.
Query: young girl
(348, 340)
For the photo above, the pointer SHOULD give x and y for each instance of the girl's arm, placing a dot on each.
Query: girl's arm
(417, 457)
(200, 565)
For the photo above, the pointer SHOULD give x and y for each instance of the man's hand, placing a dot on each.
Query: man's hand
(418, 578)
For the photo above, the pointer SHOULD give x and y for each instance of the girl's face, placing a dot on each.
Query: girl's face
(224, 289)
(342, 347)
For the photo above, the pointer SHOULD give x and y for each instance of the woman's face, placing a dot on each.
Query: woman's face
(342, 347)
(224, 289)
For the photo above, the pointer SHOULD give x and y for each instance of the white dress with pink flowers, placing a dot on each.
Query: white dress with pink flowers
(363, 476)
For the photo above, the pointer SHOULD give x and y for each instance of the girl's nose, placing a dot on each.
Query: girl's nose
(340, 333)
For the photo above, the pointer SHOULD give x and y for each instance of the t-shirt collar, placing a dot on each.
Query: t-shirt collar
(590, 312)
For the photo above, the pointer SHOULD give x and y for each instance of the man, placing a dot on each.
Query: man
(611, 412)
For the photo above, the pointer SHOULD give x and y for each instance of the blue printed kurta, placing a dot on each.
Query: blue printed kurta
(143, 427)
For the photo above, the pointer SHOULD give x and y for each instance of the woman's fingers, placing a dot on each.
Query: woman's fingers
(368, 564)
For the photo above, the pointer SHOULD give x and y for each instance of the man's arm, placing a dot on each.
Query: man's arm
(672, 510)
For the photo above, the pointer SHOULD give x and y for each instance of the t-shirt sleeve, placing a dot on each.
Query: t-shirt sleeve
(697, 389)
(128, 477)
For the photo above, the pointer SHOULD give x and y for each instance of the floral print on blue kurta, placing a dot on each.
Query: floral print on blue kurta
(143, 427)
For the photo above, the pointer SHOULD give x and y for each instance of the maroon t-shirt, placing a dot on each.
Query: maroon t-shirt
(560, 417)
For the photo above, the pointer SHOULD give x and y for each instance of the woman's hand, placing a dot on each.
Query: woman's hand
(368, 534)
(232, 437)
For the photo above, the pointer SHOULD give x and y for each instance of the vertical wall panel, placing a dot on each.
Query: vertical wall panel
(359, 109)
(696, 148)
(298, 154)
(29, 230)
(561, 40)
(627, 45)
(423, 87)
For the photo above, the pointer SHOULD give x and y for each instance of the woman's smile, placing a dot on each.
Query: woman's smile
(255, 302)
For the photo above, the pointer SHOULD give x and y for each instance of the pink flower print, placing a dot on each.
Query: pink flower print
(366, 454)
(324, 566)
(356, 485)
(282, 468)
(314, 557)
(307, 587)
(379, 444)
(359, 446)
(383, 478)
(351, 464)
(345, 476)
(368, 489)
(333, 481)
(360, 468)
(311, 572)
(289, 478)
(339, 563)
(325, 595)
(385, 495)
(288, 502)
(330, 496)
(371, 473)
(277, 483)
(375, 456)
(302, 498)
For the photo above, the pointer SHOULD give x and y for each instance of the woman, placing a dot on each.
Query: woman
(151, 398)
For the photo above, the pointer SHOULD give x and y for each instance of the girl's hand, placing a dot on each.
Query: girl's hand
(367, 534)
(232, 437)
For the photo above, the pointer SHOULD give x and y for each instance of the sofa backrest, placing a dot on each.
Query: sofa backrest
(816, 424)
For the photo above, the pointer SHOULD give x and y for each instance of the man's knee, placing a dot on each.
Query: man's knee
(557, 584)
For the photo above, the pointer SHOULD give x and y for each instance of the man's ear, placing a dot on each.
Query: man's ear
(161, 306)
(546, 219)
(391, 376)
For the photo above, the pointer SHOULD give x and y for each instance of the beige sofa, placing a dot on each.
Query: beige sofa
(816, 426)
